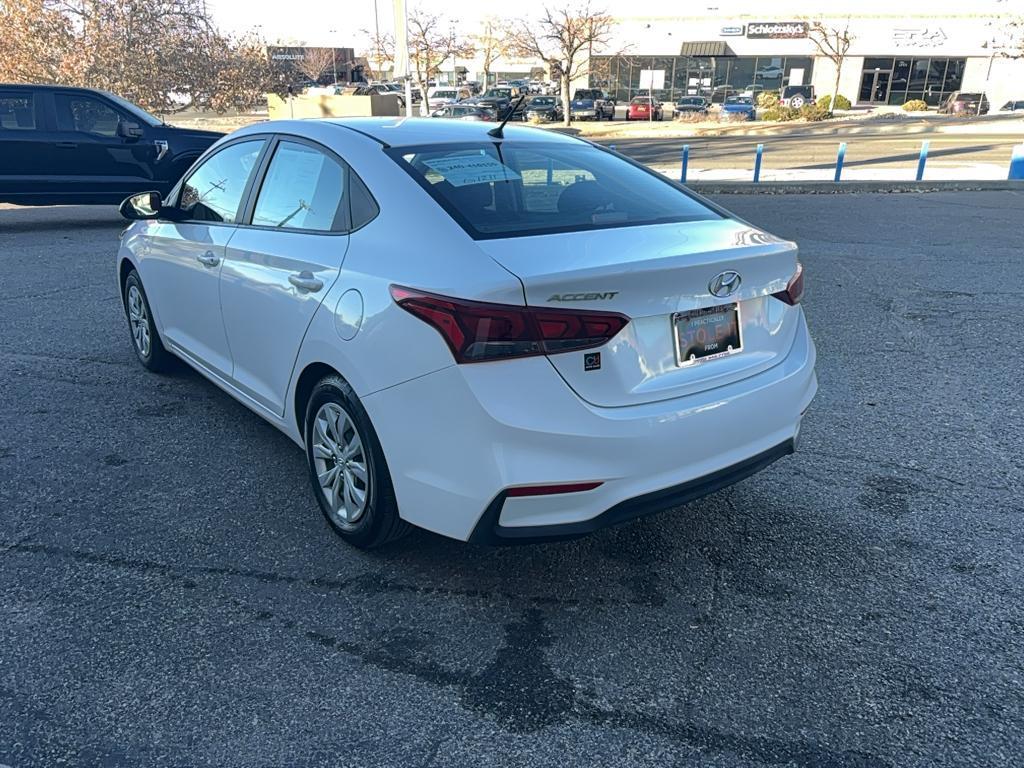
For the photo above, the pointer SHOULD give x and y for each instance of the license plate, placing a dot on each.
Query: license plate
(704, 334)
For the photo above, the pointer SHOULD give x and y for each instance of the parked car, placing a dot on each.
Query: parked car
(545, 109)
(525, 395)
(440, 96)
(465, 112)
(738, 108)
(796, 96)
(62, 145)
(501, 99)
(964, 103)
(688, 105)
(379, 90)
(1013, 106)
(592, 103)
(642, 108)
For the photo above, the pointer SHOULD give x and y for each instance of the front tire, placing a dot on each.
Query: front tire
(347, 469)
(145, 340)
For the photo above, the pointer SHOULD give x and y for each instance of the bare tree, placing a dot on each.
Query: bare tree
(315, 61)
(566, 37)
(149, 51)
(833, 43)
(380, 51)
(432, 41)
(492, 43)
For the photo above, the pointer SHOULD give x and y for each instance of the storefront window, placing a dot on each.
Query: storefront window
(797, 70)
(900, 82)
(769, 71)
(741, 73)
(954, 75)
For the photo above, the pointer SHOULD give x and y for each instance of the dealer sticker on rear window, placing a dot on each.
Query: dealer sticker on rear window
(463, 170)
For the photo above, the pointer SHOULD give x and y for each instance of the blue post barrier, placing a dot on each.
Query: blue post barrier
(551, 171)
(757, 164)
(921, 160)
(1017, 163)
(840, 156)
(611, 147)
(686, 162)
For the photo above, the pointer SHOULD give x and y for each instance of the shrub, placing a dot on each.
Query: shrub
(782, 114)
(841, 102)
(814, 112)
(915, 105)
(767, 100)
(691, 117)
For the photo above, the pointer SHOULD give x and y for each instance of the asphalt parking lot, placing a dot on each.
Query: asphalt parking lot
(171, 595)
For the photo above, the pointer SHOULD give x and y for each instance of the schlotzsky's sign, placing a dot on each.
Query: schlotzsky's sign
(775, 30)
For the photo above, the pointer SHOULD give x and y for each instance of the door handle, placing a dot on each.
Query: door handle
(209, 259)
(66, 144)
(305, 281)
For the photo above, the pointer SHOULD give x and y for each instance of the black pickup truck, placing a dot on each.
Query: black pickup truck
(63, 145)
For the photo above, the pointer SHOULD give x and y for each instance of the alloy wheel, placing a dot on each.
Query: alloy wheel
(139, 320)
(340, 460)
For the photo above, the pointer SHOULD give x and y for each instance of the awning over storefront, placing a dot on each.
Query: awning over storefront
(706, 48)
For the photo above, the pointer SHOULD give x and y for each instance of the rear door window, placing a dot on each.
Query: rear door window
(512, 190)
(17, 112)
(303, 189)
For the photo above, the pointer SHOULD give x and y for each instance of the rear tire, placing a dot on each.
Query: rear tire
(145, 339)
(347, 468)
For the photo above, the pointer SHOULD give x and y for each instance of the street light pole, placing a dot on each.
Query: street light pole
(334, 57)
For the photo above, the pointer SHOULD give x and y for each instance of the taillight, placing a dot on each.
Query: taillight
(794, 289)
(478, 331)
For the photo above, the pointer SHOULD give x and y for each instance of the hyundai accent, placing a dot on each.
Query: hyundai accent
(499, 335)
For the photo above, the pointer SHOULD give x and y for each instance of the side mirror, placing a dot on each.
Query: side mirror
(145, 205)
(129, 130)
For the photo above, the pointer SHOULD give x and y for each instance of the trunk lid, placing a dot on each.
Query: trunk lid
(650, 273)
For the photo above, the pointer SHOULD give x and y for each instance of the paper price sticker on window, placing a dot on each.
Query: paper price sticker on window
(463, 170)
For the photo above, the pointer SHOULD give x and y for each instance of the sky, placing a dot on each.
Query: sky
(340, 22)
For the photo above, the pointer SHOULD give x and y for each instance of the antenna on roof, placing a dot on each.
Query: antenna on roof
(496, 132)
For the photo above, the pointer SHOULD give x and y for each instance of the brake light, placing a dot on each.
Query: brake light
(794, 289)
(478, 331)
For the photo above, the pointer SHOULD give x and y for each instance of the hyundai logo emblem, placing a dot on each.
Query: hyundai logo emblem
(725, 284)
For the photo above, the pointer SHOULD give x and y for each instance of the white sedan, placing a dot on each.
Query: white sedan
(497, 336)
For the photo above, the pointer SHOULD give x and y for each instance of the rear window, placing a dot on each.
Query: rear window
(509, 189)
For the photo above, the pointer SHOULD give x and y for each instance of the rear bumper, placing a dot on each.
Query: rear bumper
(457, 438)
(489, 529)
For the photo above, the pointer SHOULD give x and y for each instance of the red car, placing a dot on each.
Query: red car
(640, 109)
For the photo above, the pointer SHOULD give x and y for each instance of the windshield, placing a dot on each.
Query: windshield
(135, 109)
(503, 92)
(444, 94)
(509, 189)
(739, 100)
(546, 101)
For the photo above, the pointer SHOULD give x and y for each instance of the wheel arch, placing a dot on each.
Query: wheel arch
(124, 269)
(304, 385)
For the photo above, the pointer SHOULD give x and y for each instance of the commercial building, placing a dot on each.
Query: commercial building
(323, 64)
(891, 59)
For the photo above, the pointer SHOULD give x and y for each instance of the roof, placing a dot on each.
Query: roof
(405, 131)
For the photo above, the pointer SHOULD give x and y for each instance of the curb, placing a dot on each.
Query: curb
(848, 187)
